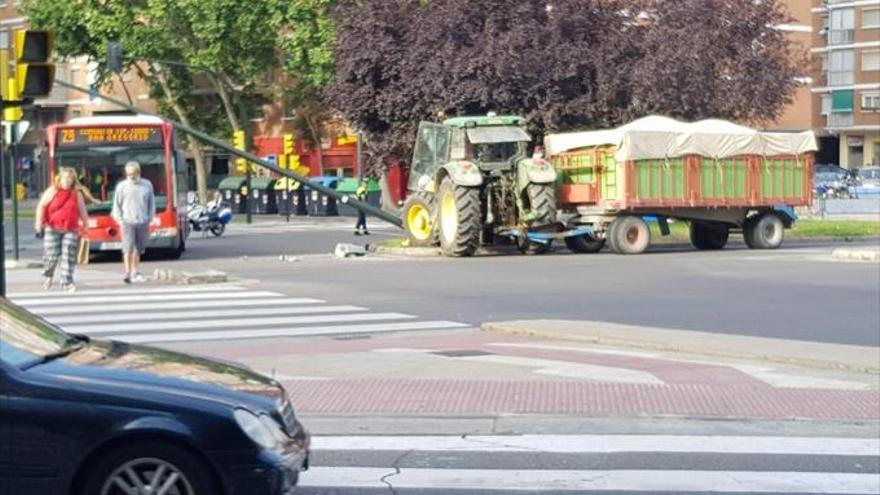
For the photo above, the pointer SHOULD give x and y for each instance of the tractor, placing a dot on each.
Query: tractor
(472, 180)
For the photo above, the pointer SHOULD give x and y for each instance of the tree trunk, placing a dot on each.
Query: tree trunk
(227, 105)
(194, 146)
(316, 138)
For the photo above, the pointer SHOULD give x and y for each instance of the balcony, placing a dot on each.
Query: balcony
(839, 120)
(841, 36)
(840, 78)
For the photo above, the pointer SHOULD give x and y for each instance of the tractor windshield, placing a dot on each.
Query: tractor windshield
(497, 144)
(497, 134)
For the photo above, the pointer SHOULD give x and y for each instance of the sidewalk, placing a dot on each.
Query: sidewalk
(472, 373)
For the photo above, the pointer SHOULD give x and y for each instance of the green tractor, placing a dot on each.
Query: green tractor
(471, 180)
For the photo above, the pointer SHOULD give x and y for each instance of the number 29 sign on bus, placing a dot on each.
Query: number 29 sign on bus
(107, 136)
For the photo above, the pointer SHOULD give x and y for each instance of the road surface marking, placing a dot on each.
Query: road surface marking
(128, 297)
(255, 321)
(249, 312)
(610, 480)
(607, 444)
(163, 306)
(123, 290)
(288, 332)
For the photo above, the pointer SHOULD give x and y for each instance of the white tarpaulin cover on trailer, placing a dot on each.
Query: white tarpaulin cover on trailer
(662, 137)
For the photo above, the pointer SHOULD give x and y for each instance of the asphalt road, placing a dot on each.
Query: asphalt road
(796, 292)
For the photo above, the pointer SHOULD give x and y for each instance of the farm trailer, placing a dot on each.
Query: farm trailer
(719, 176)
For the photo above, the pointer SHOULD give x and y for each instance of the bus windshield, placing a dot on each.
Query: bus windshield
(101, 168)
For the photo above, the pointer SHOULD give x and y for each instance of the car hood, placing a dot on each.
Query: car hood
(114, 364)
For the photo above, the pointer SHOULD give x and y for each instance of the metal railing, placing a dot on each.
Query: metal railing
(839, 120)
(841, 36)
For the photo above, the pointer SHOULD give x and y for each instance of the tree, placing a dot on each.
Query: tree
(235, 40)
(564, 64)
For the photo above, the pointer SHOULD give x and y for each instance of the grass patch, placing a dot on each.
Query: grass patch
(806, 228)
(835, 228)
(392, 242)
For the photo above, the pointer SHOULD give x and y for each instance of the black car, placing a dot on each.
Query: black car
(89, 417)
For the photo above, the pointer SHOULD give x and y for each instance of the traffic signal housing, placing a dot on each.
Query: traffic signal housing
(238, 143)
(34, 72)
(289, 144)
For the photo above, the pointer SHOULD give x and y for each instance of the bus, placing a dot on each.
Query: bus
(98, 149)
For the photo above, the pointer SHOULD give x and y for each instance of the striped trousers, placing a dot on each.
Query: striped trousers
(60, 245)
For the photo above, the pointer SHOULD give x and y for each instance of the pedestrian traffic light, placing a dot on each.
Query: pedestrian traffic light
(12, 113)
(34, 73)
(288, 144)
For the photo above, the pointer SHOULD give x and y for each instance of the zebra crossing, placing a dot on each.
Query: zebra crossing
(586, 464)
(204, 313)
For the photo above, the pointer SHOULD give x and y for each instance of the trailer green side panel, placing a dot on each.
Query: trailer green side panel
(612, 178)
(659, 180)
(725, 179)
(782, 177)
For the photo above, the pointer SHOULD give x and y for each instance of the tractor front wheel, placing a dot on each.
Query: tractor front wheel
(419, 217)
(459, 218)
(542, 203)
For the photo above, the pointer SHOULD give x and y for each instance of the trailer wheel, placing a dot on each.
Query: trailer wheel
(709, 236)
(584, 244)
(766, 231)
(460, 218)
(420, 219)
(542, 203)
(629, 235)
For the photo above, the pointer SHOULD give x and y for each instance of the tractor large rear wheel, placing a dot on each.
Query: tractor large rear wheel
(420, 219)
(459, 218)
(542, 203)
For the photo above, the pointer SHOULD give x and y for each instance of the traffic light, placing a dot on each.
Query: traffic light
(288, 144)
(238, 143)
(34, 73)
(115, 56)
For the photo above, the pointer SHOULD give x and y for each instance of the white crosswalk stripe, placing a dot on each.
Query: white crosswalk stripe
(587, 464)
(222, 312)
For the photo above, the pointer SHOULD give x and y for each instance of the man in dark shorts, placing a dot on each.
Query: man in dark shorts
(134, 206)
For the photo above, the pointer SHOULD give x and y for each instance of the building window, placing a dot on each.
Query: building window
(842, 27)
(871, 101)
(871, 18)
(870, 60)
(4, 40)
(840, 67)
(826, 104)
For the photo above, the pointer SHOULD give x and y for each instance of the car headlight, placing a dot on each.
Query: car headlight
(262, 429)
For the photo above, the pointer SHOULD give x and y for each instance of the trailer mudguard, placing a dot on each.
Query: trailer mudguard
(463, 173)
(534, 171)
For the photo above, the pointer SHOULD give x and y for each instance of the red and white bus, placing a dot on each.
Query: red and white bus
(98, 149)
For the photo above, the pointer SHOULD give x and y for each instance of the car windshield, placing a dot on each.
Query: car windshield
(100, 168)
(25, 339)
(873, 173)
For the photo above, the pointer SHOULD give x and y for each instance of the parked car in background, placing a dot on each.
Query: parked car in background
(867, 183)
(832, 181)
(82, 416)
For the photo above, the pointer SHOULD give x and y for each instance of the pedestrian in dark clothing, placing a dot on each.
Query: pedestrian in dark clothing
(361, 195)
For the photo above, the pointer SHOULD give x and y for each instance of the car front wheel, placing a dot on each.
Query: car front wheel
(148, 469)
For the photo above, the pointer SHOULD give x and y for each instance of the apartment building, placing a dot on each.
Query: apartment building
(846, 85)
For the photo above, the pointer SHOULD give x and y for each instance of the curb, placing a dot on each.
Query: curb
(862, 359)
(23, 264)
(870, 255)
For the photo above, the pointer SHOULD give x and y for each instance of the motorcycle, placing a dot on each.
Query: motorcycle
(211, 217)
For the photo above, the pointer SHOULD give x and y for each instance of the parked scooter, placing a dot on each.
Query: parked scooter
(211, 217)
